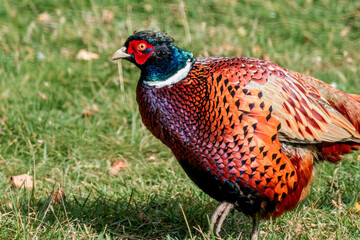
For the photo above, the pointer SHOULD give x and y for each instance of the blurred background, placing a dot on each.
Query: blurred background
(69, 118)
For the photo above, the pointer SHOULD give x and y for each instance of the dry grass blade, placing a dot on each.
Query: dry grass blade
(184, 20)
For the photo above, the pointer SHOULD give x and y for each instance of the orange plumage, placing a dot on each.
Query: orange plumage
(246, 131)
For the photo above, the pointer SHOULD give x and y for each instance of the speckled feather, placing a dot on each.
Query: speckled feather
(246, 131)
(225, 134)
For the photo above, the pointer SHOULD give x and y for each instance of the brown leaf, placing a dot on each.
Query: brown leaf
(86, 56)
(87, 113)
(118, 165)
(58, 196)
(22, 180)
(90, 111)
(356, 207)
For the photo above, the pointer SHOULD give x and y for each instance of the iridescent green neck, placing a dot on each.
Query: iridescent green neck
(165, 64)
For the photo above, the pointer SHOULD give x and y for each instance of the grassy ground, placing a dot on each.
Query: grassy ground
(44, 90)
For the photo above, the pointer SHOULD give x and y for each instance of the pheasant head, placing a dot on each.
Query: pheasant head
(160, 61)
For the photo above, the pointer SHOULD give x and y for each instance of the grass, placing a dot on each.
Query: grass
(44, 90)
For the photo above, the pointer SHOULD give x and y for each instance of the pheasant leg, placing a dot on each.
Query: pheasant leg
(223, 216)
(255, 229)
(221, 211)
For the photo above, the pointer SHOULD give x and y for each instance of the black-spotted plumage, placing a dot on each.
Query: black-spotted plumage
(245, 130)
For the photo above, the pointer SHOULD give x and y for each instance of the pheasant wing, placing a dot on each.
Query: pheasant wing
(305, 115)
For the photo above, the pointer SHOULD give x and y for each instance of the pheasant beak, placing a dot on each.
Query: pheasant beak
(119, 54)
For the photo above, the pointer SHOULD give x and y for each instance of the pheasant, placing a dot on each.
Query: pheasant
(246, 131)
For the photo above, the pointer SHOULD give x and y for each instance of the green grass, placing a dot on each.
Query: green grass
(47, 137)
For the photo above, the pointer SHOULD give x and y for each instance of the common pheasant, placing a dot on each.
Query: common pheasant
(246, 131)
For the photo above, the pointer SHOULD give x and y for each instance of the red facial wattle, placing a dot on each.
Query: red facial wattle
(141, 56)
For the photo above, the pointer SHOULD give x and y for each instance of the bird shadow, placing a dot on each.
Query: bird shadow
(133, 216)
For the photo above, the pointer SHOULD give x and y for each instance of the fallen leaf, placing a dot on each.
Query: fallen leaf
(90, 111)
(118, 165)
(85, 55)
(87, 113)
(44, 17)
(58, 196)
(356, 207)
(358, 158)
(22, 180)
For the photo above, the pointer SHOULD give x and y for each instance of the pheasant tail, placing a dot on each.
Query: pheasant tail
(349, 106)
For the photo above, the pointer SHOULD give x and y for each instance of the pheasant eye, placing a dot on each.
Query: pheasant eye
(142, 46)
